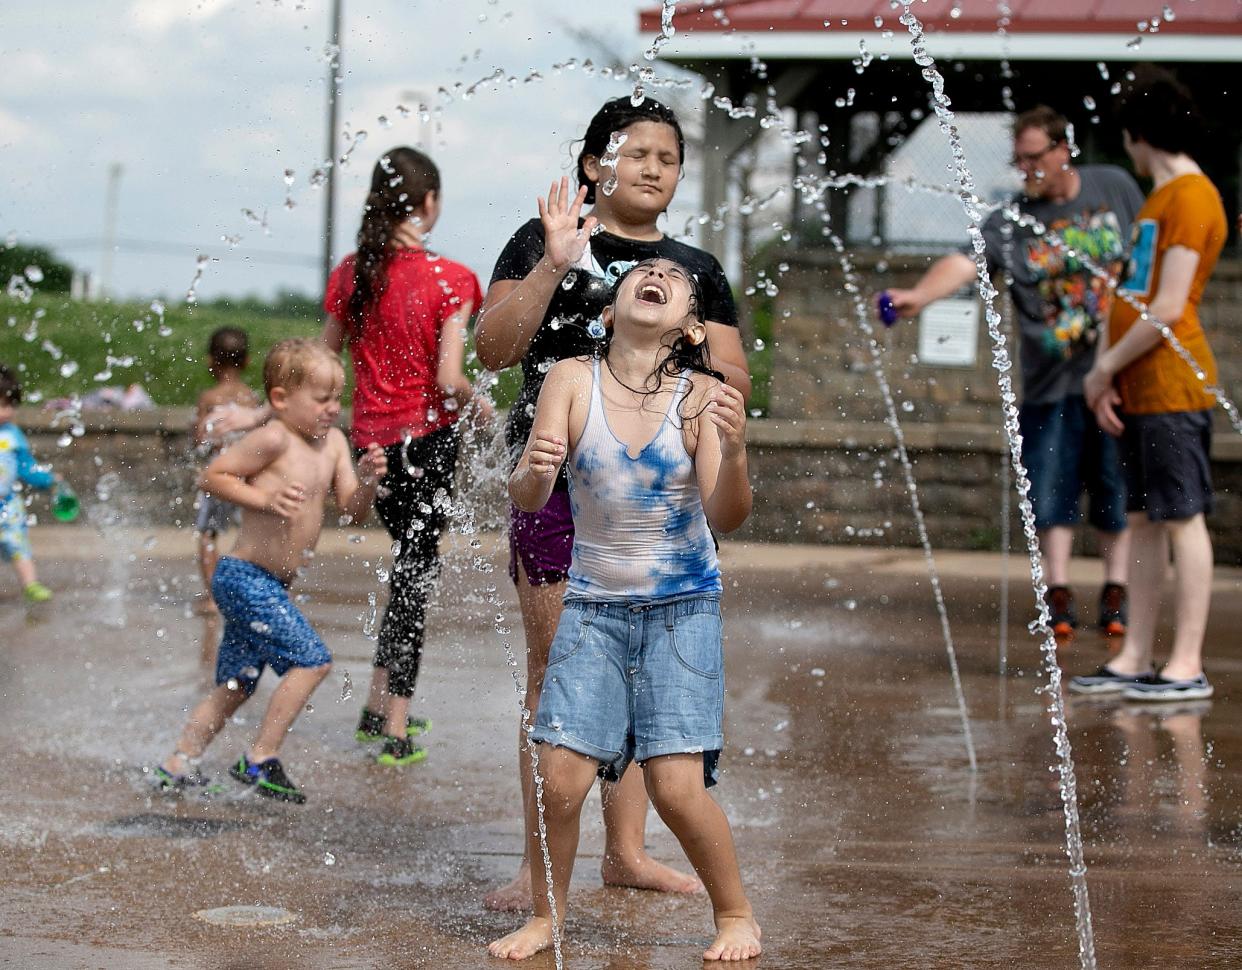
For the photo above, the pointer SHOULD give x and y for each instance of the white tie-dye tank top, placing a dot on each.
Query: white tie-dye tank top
(640, 532)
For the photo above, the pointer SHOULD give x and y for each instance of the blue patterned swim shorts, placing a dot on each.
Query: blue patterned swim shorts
(262, 626)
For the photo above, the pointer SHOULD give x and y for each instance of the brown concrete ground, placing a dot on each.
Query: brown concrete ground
(864, 839)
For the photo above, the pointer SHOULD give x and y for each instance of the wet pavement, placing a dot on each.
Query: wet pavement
(865, 841)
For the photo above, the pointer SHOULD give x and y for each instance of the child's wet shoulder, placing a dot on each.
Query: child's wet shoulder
(570, 370)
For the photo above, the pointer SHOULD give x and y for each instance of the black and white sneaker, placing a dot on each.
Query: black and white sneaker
(1105, 681)
(1157, 688)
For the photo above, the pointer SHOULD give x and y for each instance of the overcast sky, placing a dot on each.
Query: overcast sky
(205, 104)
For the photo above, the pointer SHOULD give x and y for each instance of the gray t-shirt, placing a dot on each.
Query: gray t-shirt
(1059, 302)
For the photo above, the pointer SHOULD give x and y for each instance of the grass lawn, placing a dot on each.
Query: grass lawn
(61, 347)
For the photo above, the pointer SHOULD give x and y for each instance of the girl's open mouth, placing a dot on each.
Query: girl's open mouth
(651, 293)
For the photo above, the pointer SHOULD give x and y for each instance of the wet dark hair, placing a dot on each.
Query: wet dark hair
(682, 354)
(399, 184)
(617, 115)
(10, 387)
(1159, 109)
(229, 347)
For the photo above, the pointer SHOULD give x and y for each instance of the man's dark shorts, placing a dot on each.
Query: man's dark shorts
(1165, 458)
(542, 541)
(1066, 453)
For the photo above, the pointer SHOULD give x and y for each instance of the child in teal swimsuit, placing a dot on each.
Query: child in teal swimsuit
(18, 467)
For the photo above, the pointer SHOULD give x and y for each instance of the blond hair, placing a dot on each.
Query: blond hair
(291, 362)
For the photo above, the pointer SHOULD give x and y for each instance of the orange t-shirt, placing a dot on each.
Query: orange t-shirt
(1186, 211)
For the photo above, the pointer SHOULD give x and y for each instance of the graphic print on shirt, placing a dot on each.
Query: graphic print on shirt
(1074, 300)
(1142, 265)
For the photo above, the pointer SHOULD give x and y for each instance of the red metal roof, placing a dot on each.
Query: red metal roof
(1190, 17)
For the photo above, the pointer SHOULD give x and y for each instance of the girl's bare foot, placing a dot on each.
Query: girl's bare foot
(737, 938)
(514, 897)
(643, 872)
(534, 937)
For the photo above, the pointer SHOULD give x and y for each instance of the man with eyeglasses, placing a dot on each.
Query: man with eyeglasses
(1060, 304)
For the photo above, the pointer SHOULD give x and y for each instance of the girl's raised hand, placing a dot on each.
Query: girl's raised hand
(727, 410)
(563, 242)
(547, 451)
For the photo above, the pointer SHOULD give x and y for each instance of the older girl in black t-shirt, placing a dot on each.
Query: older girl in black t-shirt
(547, 293)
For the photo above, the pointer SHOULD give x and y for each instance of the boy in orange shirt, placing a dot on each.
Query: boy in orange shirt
(1165, 419)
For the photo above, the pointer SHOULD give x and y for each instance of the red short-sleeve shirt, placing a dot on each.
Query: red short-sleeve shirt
(396, 350)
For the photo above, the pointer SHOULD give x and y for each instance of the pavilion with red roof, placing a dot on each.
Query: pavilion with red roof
(814, 54)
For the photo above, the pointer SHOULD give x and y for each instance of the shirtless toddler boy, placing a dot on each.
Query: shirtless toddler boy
(280, 475)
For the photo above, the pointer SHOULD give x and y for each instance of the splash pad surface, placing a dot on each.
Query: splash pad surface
(864, 840)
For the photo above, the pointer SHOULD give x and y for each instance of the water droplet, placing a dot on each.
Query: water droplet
(329, 859)
(347, 688)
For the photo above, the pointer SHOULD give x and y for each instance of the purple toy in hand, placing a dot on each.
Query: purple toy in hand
(885, 308)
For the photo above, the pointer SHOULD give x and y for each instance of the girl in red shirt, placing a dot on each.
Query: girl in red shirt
(403, 312)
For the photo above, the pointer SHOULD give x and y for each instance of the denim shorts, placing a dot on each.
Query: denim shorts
(1167, 464)
(262, 626)
(1065, 453)
(628, 682)
(543, 541)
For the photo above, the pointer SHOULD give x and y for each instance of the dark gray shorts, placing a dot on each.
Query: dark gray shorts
(215, 516)
(1165, 460)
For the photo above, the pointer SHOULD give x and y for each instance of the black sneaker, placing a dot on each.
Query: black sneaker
(1113, 610)
(269, 778)
(414, 726)
(400, 751)
(370, 727)
(1105, 681)
(165, 782)
(1061, 605)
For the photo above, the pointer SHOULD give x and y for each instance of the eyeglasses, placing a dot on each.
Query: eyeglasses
(1021, 159)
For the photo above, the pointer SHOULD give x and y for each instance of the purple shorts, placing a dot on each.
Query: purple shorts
(542, 541)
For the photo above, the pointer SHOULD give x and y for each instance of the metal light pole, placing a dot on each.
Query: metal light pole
(111, 200)
(329, 202)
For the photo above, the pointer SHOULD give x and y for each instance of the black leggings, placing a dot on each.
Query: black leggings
(407, 494)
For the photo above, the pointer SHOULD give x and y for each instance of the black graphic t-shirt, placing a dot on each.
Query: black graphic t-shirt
(1060, 303)
(572, 324)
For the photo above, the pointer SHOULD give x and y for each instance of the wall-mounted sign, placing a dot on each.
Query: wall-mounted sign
(949, 333)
